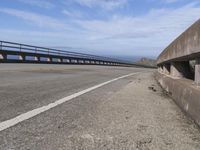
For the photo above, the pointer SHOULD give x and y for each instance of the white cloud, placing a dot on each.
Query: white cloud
(105, 4)
(166, 1)
(36, 37)
(38, 3)
(157, 28)
(171, 1)
(37, 19)
(72, 13)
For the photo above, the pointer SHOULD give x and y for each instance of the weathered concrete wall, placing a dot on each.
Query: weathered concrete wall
(186, 46)
(176, 75)
(184, 92)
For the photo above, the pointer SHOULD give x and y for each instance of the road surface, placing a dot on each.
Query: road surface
(130, 112)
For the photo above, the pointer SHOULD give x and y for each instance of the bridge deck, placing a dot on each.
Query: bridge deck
(130, 113)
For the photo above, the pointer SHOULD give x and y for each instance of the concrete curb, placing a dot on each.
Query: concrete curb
(185, 94)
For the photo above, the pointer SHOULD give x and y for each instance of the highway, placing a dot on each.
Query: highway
(102, 107)
(31, 86)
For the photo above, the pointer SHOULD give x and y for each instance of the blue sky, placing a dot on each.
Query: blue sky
(103, 27)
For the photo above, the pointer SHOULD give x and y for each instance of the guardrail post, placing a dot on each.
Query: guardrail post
(197, 71)
(49, 59)
(1, 46)
(20, 48)
(36, 58)
(180, 69)
(176, 70)
(160, 68)
(166, 69)
(22, 57)
(59, 60)
(2, 56)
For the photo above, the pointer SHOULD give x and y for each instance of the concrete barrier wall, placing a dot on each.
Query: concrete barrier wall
(175, 59)
(186, 46)
(184, 92)
(176, 74)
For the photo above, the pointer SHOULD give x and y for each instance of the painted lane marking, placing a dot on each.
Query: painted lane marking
(11, 122)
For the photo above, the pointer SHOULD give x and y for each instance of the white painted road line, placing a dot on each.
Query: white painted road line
(11, 122)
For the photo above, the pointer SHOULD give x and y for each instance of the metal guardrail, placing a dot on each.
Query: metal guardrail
(37, 50)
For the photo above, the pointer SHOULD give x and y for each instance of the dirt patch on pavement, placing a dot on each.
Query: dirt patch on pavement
(138, 117)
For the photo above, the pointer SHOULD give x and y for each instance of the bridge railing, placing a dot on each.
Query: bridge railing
(23, 50)
(181, 59)
(179, 62)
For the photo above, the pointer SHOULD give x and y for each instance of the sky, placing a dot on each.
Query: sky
(103, 27)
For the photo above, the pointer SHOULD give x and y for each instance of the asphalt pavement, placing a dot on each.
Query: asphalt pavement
(24, 87)
(129, 113)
